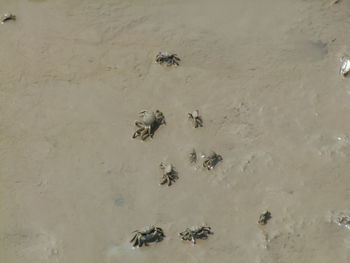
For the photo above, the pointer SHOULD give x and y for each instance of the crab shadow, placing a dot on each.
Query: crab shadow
(155, 127)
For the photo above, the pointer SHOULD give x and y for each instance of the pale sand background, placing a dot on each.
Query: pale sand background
(264, 75)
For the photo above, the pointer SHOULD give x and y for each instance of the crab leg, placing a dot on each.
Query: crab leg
(199, 122)
(164, 180)
(137, 133)
(136, 243)
(139, 124)
(145, 134)
(133, 238)
(193, 240)
(149, 130)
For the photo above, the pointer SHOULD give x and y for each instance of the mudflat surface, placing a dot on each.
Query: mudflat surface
(264, 76)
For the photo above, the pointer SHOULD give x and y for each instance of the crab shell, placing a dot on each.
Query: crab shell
(195, 114)
(212, 155)
(168, 168)
(164, 54)
(194, 228)
(148, 230)
(148, 118)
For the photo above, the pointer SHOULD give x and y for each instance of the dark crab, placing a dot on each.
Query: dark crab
(192, 156)
(169, 174)
(149, 124)
(7, 17)
(149, 235)
(342, 219)
(196, 119)
(345, 66)
(168, 59)
(212, 160)
(264, 217)
(193, 233)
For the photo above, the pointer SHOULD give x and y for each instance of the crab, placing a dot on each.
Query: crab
(342, 219)
(6, 17)
(149, 124)
(193, 233)
(168, 59)
(192, 156)
(169, 174)
(212, 160)
(196, 119)
(264, 217)
(149, 235)
(345, 66)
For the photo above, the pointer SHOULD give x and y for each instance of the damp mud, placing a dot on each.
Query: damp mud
(264, 76)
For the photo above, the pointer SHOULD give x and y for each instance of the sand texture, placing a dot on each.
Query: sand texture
(264, 76)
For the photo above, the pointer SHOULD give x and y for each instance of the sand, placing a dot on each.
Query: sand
(264, 76)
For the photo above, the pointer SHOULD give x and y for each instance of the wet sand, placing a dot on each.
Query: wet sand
(264, 76)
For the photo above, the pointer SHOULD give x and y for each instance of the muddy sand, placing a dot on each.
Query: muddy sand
(264, 76)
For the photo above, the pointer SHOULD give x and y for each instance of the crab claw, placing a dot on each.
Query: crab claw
(142, 112)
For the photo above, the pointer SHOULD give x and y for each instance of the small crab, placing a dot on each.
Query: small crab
(6, 17)
(264, 217)
(149, 124)
(149, 235)
(193, 233)
(168, 59)
(169, 174)
(342, 219)
(192, 156)
(345, 66)
(196, 119)
(212, 160)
